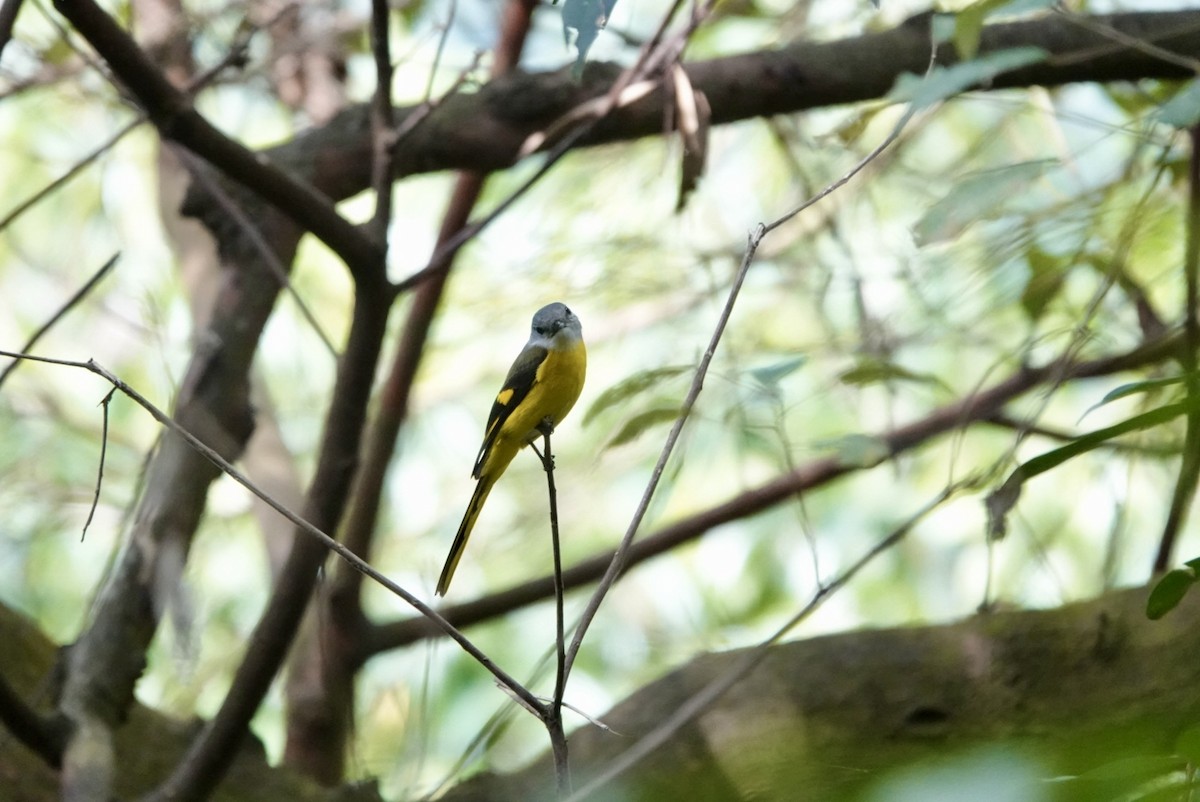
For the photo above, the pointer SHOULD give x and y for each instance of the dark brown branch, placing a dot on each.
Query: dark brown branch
(173, 114)
(213, 752)
(44, 735)
(8, 18)
(485, 130)
(382, 116)
(817, 473)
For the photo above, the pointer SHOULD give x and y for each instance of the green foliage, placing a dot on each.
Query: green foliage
(1046, 275)
(1001, 501)
(1169, 591)
(1147, 386)
(1182, 110)
(942, 83)
(857, 450)
(982, 196)
(633, 386)
(870, 370)
(642, 422)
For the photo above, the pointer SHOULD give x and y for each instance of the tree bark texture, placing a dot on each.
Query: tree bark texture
(1075, 689)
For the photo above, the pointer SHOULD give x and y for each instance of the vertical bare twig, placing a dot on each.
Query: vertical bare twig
(382, 115)
(553, 711)
(100, 469)
(394, 396)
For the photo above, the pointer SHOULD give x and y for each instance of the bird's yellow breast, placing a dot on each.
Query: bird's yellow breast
(555, 390)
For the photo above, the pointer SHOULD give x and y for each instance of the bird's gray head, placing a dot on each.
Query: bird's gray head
(553, 319)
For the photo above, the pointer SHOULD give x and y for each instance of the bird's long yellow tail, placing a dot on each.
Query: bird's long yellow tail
(494, 464)
(482, 488)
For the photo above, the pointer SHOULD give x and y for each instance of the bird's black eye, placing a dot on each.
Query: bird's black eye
(567, 310)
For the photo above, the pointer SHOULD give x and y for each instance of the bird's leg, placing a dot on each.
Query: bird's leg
(546, 427)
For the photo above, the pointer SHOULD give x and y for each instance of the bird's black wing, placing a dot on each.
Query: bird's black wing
(517, 384)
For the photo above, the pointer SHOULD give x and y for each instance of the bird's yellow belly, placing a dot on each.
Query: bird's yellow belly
(556, 389)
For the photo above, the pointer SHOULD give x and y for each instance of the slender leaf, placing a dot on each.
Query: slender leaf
(945, 82)
(871, 370)
(634, 385)
(1133, 388)
(642, 422)
(1000, 502)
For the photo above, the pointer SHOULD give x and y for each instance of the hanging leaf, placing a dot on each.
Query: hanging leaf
(858, 450)
(770, 375)
(968, 22)
(587, 18)
(852, 129)
(635, 384)
(1168, 592)
(692, 116)
(1045, 282)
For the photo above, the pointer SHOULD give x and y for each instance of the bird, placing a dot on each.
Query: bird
(541, 387)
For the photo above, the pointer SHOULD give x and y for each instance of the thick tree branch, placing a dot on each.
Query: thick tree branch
(172, 113)
(485, 130)
(1068, 693)
(213, 752)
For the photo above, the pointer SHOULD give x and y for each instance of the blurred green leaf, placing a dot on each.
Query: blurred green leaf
(1183, 110)
(1168, 592)
(1137, 769)
(770, 375)
(1133, 388)
(857, 450)
(872, 370)
(1000, 502)
(634, 385)
(977, 197)
(852, 129)
(945, 82)
(1045, 282)
(642, 422)
(1188, 744)
(968, 23)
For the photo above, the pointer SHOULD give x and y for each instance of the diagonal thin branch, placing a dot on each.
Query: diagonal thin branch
(69, 304)
(301, 523)
(753, 241)
(706, 696)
